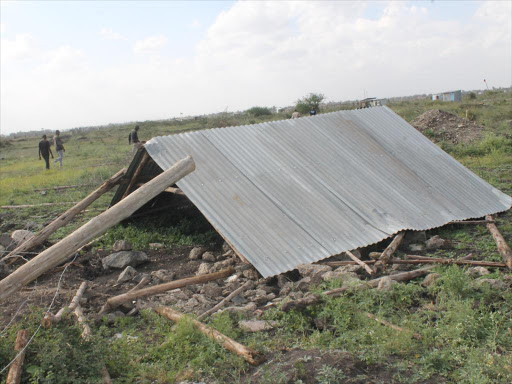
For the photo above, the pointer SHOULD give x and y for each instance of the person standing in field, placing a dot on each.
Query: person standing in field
(133, 138)
(312, 112)
(59, 147)
(295, 115)
(45, 151)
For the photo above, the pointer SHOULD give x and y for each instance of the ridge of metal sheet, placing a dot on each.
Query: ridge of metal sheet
(296, 191)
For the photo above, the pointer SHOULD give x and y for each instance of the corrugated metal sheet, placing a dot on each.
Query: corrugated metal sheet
(296, 191)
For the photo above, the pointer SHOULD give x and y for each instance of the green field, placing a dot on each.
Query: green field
(466, 330)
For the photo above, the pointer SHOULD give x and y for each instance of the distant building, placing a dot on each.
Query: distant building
(448, 96)
(369, 102)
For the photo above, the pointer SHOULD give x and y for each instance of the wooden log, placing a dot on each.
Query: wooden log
(419, 257)
(174, 190)
(67, 216)
(388, 252)
(451, 261)
(50, 319)
(116, 301)
(80, 318)
(105, 376)
(417, 336)
(136, 174)
(225, 300)
(61, 187)
(37, 205)
(468, 222)
(251, 356)
(343, 263)
(61, 251)
(315, 299)
(365, 266)
(503, 248)
(14, 375)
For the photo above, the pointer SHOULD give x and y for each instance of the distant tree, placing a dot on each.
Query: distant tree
(472, 96)
(308, 102)
(259, 111)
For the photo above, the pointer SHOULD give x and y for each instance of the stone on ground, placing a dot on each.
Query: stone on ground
(123, 259)
(257, 325)
(312, 270)
(386, 284)
(208, 256)
(430, 279)
(435, 242)
(196, 253)
(477, 271)
(204, 268)
(122, 245)
(128, 274)
(21, 235)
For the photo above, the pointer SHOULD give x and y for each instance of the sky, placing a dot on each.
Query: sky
(84, 63)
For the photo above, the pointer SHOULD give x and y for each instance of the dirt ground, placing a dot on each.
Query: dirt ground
(444, 126)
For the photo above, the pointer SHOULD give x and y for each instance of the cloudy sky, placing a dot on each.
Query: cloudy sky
(70, 64)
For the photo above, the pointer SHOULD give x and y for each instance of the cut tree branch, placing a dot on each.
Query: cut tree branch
(503, 248)
(14, 375)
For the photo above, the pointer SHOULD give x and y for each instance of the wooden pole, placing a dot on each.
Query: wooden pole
(49, 319)
(225, 300)
(365, 266)
(14, 375)
(450, 261)
(388, 252)
(61, 251)
(66, 217)
(468, 222)
(86, 330)
(315, 299)
(251, 356)
(116, 301)
(37, 205)
(343, 263)
(386, 323)
(136, 174)
(503, 248)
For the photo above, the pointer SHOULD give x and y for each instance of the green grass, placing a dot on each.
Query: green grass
(466, 330)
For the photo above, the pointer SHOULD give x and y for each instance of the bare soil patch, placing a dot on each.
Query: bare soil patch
(444, 126)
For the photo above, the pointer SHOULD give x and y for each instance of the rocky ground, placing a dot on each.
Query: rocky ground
(444, 126)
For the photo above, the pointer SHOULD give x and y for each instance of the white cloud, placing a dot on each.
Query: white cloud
(109, 34)
(23, 47)
(195, 24)
(150, 44)
(262, 53)
(3, 28)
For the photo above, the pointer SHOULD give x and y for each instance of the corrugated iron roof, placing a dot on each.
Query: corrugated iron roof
(296, 191)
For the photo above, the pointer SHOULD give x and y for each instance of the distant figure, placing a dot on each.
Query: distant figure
(295, 115)
(312, 112)
(133, 138)
(57, 141)
(45, 151)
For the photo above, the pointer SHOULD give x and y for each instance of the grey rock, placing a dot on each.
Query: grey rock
(122, 245)
(196, 253)
(226, 248)
(239, 299)
(413, 237)
(21, 235)
(340, 274)
(43, 193)
(281, 281)
(178, 294)
(156, 246)
(111, 317)
(191, 303)
(204, 268)
(310, 270)
(202, 299)
(128, 274)
(435, 242)
(123, 259)
(208, 256)
(138, 278)
(494, 283)
(5, 240)
(164, 275)
(232, 279)
(211, 290)
(416, 247)
(353, 268)
(296, 295)
(386, 284)
(257, 325)
(251, 274)
(375, 255)
(477, 271)
(430, 279)
(303, 284)
(285, 290)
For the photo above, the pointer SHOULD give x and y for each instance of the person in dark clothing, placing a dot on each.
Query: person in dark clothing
(133, 138)
(312, 112)
(45, 151)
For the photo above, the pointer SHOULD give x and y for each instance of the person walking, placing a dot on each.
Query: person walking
(133, 138)
(45, 151)
(59, 148)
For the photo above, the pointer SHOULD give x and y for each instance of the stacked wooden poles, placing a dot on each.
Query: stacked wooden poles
(67, 216)
(61, 251)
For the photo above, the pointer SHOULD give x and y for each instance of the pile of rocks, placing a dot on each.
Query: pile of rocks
(444, 126)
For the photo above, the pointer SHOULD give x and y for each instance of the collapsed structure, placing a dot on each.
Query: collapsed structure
(297, 191)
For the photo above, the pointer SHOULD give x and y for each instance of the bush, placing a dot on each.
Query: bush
(259, 111)
(308, 102)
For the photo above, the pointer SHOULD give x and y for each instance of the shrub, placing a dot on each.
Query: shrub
(259, 111)
(308, 102)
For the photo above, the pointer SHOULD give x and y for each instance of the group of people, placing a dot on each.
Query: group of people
(296, 114)
(45, 149)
